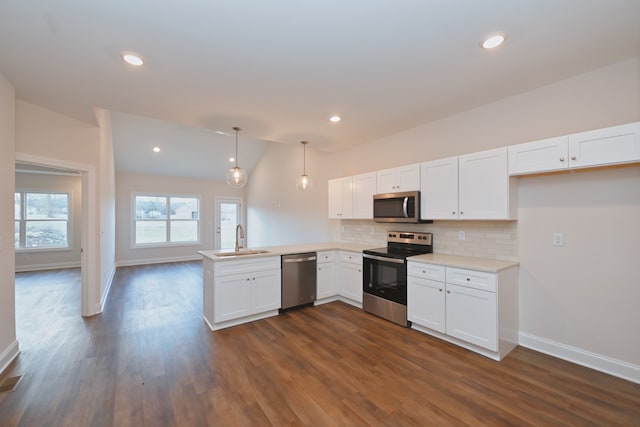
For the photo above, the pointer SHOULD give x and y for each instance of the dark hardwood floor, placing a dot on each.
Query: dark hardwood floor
(150, 360)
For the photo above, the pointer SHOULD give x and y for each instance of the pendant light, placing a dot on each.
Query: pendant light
(236, 177)
(304, 181)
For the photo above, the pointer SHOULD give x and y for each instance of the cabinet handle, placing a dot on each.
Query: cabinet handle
(562, 159)
(253, 278)
(453, 213)
(248, 279)
(424, 272)
(573, 157)
(461, 213)
(440, 289)
(468, 280)
(359, 271)
(448, 292)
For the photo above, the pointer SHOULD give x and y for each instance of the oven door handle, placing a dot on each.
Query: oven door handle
(404, 207)
(383, 259)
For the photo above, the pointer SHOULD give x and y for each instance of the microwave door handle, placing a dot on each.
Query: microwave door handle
(404, 207)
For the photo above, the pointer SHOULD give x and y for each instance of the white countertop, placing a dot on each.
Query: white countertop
(472, 263)
(290, 249)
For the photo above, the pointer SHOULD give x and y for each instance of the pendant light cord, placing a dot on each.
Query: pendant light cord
(236, 128)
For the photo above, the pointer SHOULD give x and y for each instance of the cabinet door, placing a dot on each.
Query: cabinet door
(341, 198)
(265, 291)
(408, 178)
(539, 156)
(426, 303)
(471, 316)
(386, 181)
(232, 297)
(364, 187)
(617, 144)
(326, 280)
(351, 281)
(483, 191)
(439, 189)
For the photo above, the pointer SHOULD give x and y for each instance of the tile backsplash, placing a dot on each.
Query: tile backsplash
(483, 239)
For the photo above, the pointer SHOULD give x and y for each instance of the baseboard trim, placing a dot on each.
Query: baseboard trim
(105, 295)
(8, 356)
(599, 362)
(147, 261)
(51, 266)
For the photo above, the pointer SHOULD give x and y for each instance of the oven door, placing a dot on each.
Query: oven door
(385, 277)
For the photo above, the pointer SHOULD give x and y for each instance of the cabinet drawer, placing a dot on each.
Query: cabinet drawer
(351, 257)
(326, 256)
(225, 268)
(472, 279)
(426, 271)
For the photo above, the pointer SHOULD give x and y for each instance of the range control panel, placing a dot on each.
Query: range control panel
(410, 237)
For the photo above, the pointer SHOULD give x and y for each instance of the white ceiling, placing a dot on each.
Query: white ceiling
(280, 68)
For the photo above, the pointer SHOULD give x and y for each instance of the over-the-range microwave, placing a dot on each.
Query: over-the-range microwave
(397, 207)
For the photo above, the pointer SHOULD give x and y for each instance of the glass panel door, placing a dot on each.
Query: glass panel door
(228, 216)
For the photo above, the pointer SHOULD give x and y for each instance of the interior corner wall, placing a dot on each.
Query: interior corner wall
(279, 213)
(106, 203)
(8, 342)
(129, 183)
(62, 258)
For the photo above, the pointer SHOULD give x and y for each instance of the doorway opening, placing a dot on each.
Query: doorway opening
(228, 216)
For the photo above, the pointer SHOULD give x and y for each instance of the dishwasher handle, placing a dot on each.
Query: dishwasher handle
(287, 260)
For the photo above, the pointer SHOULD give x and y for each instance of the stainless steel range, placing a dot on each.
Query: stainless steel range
(384, 274)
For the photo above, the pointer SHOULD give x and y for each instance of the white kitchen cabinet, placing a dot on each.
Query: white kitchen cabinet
(364, 187)
(426, 303)
(485, 190)
(474, 309)
(239, 291)
(473, 186)
(327, 277)
(341, 198)
(612, 145)
(350, 277)
(439, 189)
(546, 155)
(404, 178)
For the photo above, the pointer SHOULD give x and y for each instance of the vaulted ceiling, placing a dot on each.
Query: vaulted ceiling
(279, 69)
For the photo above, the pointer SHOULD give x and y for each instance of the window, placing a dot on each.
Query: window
(41, 220)
(166, 219)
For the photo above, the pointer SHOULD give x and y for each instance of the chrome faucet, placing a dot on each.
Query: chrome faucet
(239, 227)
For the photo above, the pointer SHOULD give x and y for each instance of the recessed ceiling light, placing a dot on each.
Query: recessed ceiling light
(219, 132)
(493, 41)
(132, 59)
(232, 159)
(335, 119)
(156, 149)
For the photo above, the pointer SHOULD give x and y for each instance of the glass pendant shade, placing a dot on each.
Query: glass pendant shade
(236, 177)
(304, 181)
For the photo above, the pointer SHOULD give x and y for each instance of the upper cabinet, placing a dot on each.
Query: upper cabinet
(405, 178)
(612, 145)
(364, 187)
(608, 146)
(473, 186)
(341, 198)
(539, 156)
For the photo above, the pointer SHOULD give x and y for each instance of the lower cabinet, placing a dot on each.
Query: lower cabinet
(237, 292)
(326, 277)
(350, 277)
(475, 309)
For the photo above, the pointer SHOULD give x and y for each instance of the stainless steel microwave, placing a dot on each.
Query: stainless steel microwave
(397, 207)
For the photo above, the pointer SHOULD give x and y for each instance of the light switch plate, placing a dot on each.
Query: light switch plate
(558, 239)
(462, 235)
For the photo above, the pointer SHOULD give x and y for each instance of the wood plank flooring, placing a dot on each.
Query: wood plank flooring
(150, 360)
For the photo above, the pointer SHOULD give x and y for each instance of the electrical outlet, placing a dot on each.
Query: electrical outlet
(462, 235)
(558, 239)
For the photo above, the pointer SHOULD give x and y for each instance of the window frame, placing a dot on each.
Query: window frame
(167, 243)
(23, 222)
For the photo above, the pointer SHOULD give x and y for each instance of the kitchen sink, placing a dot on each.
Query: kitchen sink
(241, 252)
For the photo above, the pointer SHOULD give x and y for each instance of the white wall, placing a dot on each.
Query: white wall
(59, 258)
(8, 343)
(106, 203)
(279, 213)
(208, 190)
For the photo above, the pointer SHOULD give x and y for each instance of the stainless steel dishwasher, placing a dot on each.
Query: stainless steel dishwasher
(298, 279)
